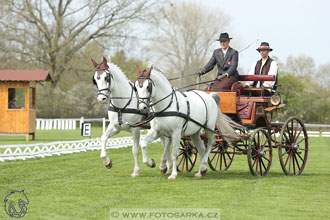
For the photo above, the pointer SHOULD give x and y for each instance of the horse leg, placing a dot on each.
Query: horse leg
(166, 162)
(151, 136)
(135, 151)
(111, 130)
(176, 136)
(210, 143)
(196, 139)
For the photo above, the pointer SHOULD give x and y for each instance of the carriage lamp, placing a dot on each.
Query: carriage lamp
(276, 99)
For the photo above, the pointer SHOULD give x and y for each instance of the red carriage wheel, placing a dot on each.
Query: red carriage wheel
(221, 156)
(187, 156)
(293, 149)
(260, 152)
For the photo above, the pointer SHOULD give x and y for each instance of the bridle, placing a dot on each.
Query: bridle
(107, 79)
(147, 100)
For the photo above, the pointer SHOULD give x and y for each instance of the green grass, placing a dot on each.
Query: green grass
(77, 186)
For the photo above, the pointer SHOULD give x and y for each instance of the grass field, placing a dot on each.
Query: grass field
(77, 186)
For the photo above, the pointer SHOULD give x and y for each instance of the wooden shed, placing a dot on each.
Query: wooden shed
(18, 101)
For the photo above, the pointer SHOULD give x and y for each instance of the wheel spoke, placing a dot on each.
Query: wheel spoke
(213, 157)
(254, 162)
(287, 160)
(285, 153)
(224, 160)
(300, 158)
(190, 160)
(182, 164)
(293, 164)
(290, 162)
(181, 159)
(216, 162)
(187, 167)
(220, 161)
(257, 166)
(262, 162)
(301, 140)
(260, 166)
(296, 137)
(266, 158)
(297, 162)
(288, 130)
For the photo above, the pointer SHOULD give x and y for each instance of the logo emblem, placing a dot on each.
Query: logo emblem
(16, 204)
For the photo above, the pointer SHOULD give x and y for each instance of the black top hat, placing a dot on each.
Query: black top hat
(224, 37)
(264, 46)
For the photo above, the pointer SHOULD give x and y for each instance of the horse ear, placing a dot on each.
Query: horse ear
(138, 71)
(149, 71)
(105, 62)
(94, 63)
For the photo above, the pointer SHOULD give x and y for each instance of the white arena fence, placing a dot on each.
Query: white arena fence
(23, 152)
(66, 123)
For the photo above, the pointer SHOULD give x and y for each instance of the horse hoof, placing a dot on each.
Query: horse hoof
(109, 165)
(198, 175)
(153, 163)
(171, 177)
(163, 171)
(134, 175)
(203, 172)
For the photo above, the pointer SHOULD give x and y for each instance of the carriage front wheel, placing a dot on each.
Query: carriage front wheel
(187, 156)
(293, 149)
(221, 156)
(260, 152)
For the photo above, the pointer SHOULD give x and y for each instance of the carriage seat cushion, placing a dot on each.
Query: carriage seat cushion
(244, 109)
(237, 87)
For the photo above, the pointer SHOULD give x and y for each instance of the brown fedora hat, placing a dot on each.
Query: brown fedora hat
(264, 46)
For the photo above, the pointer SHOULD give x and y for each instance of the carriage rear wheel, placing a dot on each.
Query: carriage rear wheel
(293, 149)
(260, 152)
(187, 156)
(221, 156)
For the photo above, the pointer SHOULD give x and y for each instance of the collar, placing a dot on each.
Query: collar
(225, 51)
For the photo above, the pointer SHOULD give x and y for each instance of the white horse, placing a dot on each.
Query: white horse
(112, 84)
(181, 114)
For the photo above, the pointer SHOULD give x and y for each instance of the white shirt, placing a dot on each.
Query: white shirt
(272, 71)
(224, 51)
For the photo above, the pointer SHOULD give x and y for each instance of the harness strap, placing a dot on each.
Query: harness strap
(120, 111)
(206, 112)
(185, 125)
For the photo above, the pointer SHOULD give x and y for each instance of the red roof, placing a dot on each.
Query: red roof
(25, 75)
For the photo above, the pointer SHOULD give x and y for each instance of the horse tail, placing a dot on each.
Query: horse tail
(216, 97)
(224, 123)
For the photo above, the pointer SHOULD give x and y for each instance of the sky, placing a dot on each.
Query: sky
(292, 27)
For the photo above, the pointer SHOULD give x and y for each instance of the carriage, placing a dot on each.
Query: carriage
(262, 134)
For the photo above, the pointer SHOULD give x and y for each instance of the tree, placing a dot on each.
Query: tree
(323, 75)
(128, 66)
(51, 33)
(301, 65)
(186, 32)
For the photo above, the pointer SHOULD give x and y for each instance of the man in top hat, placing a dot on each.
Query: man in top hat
(264, 66)
(226, 59)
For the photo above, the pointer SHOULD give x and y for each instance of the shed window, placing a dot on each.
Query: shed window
(16, 98)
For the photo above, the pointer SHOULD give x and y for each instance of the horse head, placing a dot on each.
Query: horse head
(102, 80)
(144, 85)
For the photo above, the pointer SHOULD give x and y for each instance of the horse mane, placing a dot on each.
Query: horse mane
(117, 69)
(161, 73)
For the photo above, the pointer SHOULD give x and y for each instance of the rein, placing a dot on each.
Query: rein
(180, 77)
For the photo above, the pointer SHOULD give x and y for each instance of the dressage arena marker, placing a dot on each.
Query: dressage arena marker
(14, 152)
